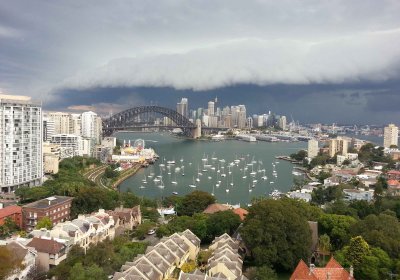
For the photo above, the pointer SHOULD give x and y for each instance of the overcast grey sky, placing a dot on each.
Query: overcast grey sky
(49, 49)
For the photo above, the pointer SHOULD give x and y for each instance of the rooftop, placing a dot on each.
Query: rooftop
(9, 210)
(47, 202)
(216, 207)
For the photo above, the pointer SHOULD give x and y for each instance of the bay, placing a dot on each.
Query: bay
(206, 157)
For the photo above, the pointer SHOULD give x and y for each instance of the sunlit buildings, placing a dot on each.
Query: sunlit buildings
(338, 145)
(312, 148)
(390, 135)
(183, 107)
(21, 136)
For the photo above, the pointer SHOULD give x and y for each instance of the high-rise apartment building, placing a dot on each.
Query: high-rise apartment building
(75, 124)
(71, 145)
(390, 135)
(91, 126)
(21, 137)
(61, 122)
(339, 145)
(312, 148)
(48, 128)
(183, 107)
(282, 122)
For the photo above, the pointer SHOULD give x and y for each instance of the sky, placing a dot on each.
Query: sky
(315, 61)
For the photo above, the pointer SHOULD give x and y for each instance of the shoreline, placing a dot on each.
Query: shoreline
(129, 172)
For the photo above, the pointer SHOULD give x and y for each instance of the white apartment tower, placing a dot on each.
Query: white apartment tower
(282, 122)
(91, 126)
(61, 122)
(21, 158)
(390, 135)
(312, 148)
(183, 107)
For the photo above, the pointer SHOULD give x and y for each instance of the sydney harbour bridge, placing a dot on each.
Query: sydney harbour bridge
(128, 120)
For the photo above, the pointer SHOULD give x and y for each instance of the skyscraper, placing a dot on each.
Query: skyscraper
(91, 126)
(183, 107)
(21, 157)
(390, 135)
(282, 122)
(211, 108)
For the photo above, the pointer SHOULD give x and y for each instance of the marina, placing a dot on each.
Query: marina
(233, 171)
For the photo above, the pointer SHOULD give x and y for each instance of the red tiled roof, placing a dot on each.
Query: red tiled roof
(49, 246)
(394, 172)
(241, 212)
(333, 271)
(10, 210)
(216, 207)
(392, 182)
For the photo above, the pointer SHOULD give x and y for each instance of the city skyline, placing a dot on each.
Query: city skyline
(326, 62)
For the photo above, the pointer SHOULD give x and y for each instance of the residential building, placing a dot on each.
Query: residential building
(393, 175)
(85, 231)
(126, 219)
(50, 252)
(354, 194)
(339, 145)
(332, 270)
(70, 144)
(282, 122)
(12, 212)
(57, 208)
(91, 126)
(312, 148)
(75, 124)
(61, 122)
(390, 136)
(183, 107)
(48, 128)
(27, 255)
(160, 260)
(21, 159)
(51, 158)
(393, 187)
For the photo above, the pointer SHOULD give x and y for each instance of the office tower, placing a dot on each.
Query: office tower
(260, 121)
(282, 122)
(249, 123)
(312, 148)
(183, 107)
(390, 135)
(21, 138)
(199, 113)
(210, 108)
(91, 126)
(338, 145)
(48, 128)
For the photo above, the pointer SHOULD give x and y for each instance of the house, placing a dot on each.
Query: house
(27, 255)
(160, 260)
(353, 194)
(216, 207)
(242, 213)
(125, 218)
(13, 212)
(333, 270)
(224, 263)
(50, 252)
(57, 208)
(393, 175)
(393, 187)
(300, 195)
(84, 231)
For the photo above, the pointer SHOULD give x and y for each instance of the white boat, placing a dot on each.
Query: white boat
(217, 185)
(171, 162)
(223, 175)
(142, 187)
(296, 173)
(254, 181)
(177, 169)
(271, 182)
(213, 168)
(161, 165)
(197, 179)
(175, 193)
(227, 190)
(192, 185)
(221, 160)
(244, 177)
(156, 180)
(181, 159)
(264, 178)
(209, 177)
(174, 182)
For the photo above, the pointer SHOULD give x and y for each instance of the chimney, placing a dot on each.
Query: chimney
(351, 271)
(312, 266)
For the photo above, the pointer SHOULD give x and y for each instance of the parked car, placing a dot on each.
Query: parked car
(150, 232)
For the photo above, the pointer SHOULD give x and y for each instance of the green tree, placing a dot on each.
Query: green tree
(188, 267)
(356, 251)
(276, 234)
(77, 272)
(44, 222)
(222, 222)
(261, 273)
(195, 202)
(324, 245)
(299, 156)
(381, 231)
(337, 227)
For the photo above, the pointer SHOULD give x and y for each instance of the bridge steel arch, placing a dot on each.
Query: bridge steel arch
(123, 120)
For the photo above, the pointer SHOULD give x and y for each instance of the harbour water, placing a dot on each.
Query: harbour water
(243, 180)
